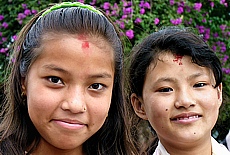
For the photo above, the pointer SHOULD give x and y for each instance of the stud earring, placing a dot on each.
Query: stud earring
(23, 95)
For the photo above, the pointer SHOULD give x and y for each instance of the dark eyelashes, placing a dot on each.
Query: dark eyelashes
(199, 85)
(55, 79)
(165, 90)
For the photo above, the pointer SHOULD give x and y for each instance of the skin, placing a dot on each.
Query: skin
(69, 92)
(181, 104)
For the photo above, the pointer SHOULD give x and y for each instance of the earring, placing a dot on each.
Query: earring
(23, 95)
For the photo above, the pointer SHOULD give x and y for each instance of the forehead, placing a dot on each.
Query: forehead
(169, 62)
(75, 48)
(96, 39)
(81, 36)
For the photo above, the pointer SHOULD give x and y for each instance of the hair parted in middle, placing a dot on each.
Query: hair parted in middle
(17, 131)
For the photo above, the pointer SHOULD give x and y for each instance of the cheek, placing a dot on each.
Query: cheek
(156, 107)
(210, 102)
(40, 105)
(210, 106)
(101, 108)
(157, 111)
(98, 109)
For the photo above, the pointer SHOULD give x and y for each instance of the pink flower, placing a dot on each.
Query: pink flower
(14, 37)
(4, 24)
(197, 6)
(106, 6)
(147, 5)
(176, 21)
(215, 35)
(171, 2)
(156, 21)
(222, 27)
(204, 20)
(24, 6)
(180, 10)
(124, 16)
(3, 50)
(214, 48)
(4, 39)
(138, 21)
(27, 12)
(226, 4)
(212, 4)
(20, 22)
(1, 17)
(122, 25)
(34, 11)
(129, 34)
(142, 11)
(222, 1)
(21, 16)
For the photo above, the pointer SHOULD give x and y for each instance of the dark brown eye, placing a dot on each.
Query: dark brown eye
(165, 90)
(199, 85)
(55, 79)
(97, 86)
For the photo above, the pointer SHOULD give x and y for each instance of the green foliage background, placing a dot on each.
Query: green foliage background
(213, 22)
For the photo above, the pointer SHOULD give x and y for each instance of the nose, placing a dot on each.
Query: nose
(184, 99)
(74, 100)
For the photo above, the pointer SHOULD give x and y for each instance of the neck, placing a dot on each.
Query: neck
(200, 147)
(46, 148)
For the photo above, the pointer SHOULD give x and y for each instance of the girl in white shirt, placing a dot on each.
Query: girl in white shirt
(176, 85)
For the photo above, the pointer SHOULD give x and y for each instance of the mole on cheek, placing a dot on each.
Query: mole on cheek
(166, 109)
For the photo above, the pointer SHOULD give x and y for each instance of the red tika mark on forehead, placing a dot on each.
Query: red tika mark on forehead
(178, 59)
(85, 44)
(81, 37)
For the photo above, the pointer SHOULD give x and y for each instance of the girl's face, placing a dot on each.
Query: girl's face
(179, 101)
(69, 90)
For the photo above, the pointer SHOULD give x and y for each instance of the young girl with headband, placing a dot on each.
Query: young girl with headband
(65, 92)
(176, 86)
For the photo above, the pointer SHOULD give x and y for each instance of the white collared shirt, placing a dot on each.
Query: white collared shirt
(217, 149)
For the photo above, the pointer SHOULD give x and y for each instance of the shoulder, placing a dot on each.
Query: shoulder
(219, 149)
(160, 150)
(228, 140)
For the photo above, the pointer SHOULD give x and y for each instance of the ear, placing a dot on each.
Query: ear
(138, 106)
(219, 94)
(23, 83)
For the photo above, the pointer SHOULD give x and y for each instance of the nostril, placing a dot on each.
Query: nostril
(186, 103)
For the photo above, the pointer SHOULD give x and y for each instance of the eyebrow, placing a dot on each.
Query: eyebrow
(169, 79)
(193, 76)
(101, 75)
(55, 68)
(165, 79)
(94, 76)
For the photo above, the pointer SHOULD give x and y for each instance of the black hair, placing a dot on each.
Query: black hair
(175, 40)
(17, 132)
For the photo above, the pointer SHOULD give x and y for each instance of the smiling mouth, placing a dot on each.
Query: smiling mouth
(186, 118)
(69, 124)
